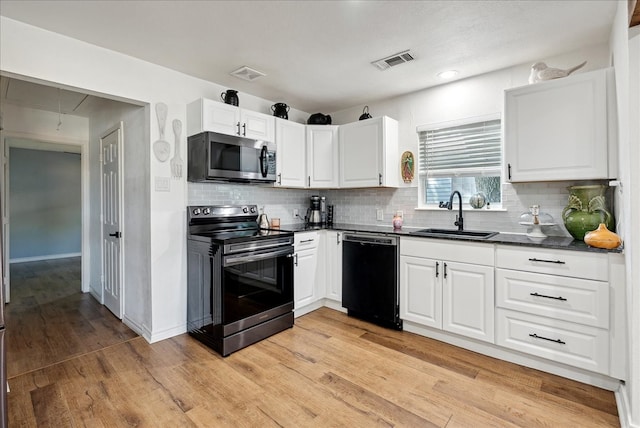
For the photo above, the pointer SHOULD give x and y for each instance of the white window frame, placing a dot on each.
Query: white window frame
(451, 124)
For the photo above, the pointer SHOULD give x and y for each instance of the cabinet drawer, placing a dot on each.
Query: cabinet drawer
(463, 251)
(569, 299)
(305, 240)
(579, 264)
(574, 344)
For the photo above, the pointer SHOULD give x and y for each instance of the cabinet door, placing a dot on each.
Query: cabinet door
(322, 156)
(420, 291)
(291, 157)
(304, 277)
(220, 117)
(361, 154)
(468, 300)
(334, 265)
(557, 130)
(258, 126)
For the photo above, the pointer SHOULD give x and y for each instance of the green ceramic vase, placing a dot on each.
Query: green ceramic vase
(586, 209)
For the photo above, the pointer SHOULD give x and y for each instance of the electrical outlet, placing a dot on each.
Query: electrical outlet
(295, 213)
(379, 214)
(400, 214)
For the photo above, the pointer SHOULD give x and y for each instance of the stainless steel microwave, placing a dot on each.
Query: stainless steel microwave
(221, 157)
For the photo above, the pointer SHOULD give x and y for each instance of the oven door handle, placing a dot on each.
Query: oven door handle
(235, 259)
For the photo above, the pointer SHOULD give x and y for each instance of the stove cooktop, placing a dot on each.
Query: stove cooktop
(231, 236)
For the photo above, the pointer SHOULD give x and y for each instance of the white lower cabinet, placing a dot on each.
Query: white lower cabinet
(565, 342)
(308, 272)
(556, 304)
(333, 241)
(448, 286)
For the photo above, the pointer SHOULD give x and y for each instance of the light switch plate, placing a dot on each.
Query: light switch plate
(379, 214)
(163, 184)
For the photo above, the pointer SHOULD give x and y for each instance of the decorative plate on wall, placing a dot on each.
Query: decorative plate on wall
(407, 165)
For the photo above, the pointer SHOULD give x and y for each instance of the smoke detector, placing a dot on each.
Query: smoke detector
(246, 73)
(393, 60)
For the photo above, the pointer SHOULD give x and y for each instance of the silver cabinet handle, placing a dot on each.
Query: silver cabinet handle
(238, 125)
(306, 240)
(445, 269)
(380, 179)
(338, 238)
(280, 179)
(559, 262)
(437, 269)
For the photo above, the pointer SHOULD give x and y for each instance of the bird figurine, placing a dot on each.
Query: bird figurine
(540, 72)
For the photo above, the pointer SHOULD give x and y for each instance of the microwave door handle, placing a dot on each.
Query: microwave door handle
(263, 161)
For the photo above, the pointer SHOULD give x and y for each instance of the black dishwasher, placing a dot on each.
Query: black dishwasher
(370, 278)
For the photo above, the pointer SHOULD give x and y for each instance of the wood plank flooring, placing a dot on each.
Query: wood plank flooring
(329, 370)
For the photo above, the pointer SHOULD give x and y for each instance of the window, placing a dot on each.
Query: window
(464, 156)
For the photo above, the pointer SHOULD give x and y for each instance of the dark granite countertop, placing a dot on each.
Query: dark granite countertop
(516, 239)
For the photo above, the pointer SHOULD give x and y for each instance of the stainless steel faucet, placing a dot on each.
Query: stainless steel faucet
(459, 220)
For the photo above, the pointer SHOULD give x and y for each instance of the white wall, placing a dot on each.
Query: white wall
(625, 47)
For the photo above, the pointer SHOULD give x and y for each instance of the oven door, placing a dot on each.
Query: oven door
(256, 286)
(236, 158)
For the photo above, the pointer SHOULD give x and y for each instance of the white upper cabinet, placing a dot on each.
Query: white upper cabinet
(369, 153)
(322, 156)
(208, 115)
(291, 156)
(561, 129)
(258, 126)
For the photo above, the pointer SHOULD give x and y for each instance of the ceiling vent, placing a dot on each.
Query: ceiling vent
(246, 73)
(393, 60)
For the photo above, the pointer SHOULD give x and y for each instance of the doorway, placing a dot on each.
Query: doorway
(56, 117)
(44, 216)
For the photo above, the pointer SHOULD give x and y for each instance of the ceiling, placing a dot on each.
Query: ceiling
(317, 54)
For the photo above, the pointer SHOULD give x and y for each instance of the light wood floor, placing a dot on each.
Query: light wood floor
(329, 370)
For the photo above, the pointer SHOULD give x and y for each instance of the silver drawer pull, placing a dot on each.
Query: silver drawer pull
(535, 336)
(306, 240)
(548, 297)
(559, 262)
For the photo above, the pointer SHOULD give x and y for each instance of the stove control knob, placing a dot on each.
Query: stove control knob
(196, 211)
(253, 210)
(206, 211)
(245, 210)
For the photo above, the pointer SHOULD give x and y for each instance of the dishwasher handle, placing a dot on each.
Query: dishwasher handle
(370, 239)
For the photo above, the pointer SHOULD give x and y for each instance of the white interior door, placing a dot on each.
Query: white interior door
(112, 257)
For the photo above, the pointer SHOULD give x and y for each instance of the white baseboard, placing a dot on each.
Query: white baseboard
(45, 257)
(165, 334)
(140, 329)
(624, 408)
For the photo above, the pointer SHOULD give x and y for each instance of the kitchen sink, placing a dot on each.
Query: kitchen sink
(478, 234)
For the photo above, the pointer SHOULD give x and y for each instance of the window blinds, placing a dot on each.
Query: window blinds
(469, 149)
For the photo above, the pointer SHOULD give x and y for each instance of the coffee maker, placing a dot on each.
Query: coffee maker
(314, 216)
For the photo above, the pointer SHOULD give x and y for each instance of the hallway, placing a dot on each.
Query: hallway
(50, 320)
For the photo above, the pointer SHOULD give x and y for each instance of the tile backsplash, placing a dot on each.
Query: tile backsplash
(360, 205)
